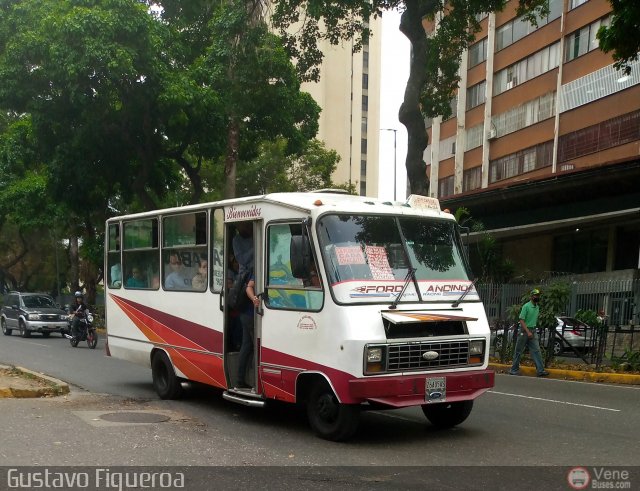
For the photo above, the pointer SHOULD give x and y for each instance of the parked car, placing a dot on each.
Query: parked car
(578, 334)
(32, 312)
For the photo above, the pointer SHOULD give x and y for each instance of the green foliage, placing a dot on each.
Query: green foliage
(629, 361)
(589, 317)
(553, 301)
(273, 170)
(513, 312)
(621, 36)
(110, 107)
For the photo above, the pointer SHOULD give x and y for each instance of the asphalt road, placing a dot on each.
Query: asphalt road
(523, 421)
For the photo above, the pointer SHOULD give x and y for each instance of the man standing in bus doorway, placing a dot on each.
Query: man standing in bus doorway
(528, 336)
(244, 253)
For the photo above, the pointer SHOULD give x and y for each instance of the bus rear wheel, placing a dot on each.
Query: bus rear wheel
(165, 381)
(328, 418)
(447, 414)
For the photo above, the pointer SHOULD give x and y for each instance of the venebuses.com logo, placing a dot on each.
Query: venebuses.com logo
(598, 478)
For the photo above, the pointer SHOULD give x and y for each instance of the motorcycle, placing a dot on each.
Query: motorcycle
(86, 331)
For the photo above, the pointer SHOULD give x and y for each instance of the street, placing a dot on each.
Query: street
(523, 421)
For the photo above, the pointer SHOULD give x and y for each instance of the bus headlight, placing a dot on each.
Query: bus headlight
(374, 355)
(476, 352)
(374, 359)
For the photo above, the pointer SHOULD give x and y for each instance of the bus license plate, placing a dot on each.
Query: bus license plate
(435, 389)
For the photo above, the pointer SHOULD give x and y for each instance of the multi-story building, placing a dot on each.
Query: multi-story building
(348, 93)
(544, 143)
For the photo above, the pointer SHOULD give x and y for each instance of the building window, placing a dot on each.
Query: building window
(365, 60)
(538, 63)
(478, 53)
(529, 113)
(365, 103)
(518, 28)
(363, 146)
(474, 137)
(584, 40)
(526, 160)
(597, 85)
(576, 3)
(472, 179)
(606, 134)
(447, 148)
(445, 187)
(363, 126)
(363, 188)
(365, 81)
(476, 95)
(363, 170)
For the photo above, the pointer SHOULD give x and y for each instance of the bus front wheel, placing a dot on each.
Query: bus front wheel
(328, 418)
(165, 381)
(447, 414)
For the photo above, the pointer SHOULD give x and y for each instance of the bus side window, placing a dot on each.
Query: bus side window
(286, 291)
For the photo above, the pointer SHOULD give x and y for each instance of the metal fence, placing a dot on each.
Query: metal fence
(618, 300)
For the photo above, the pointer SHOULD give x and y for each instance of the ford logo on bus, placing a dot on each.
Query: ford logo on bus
(430, 355)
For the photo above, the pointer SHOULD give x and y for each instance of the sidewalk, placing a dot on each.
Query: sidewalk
(565, 374)
(19, 382)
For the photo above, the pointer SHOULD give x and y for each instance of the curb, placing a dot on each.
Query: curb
(559, 373)
(55, 387)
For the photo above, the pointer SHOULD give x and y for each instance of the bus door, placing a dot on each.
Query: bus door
(243, 252)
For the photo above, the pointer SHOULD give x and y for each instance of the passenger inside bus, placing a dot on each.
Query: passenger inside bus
(243, 250)
(175, 280)
(199, 281)
(136, 280)
(235, 326)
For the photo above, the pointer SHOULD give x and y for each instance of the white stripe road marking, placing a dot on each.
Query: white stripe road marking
(553, 400)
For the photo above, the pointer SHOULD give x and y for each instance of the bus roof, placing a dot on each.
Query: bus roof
(321, 201)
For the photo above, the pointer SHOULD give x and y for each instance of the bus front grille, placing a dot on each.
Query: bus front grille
(411, 356)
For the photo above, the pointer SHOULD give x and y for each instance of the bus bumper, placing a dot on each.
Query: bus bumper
(409, 390)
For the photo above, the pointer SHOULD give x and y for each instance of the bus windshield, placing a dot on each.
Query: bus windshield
(368, 257)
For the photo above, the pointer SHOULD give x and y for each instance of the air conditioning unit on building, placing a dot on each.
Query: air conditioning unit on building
(493, 134)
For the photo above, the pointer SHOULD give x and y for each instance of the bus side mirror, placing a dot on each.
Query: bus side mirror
(300, 256)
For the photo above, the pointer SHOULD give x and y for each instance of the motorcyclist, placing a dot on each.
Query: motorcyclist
(78, 312)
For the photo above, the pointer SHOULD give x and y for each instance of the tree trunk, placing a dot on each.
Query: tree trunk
(74, 264)
(231, 160)
(410, 115)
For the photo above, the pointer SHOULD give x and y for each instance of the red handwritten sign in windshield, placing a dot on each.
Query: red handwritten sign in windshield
(349, 255)
(379, 263)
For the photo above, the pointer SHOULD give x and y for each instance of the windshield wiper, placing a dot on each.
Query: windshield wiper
(411, 275)
(464, 294)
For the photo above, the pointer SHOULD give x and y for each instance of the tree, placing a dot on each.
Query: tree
(433, 76)
(261, 91)
(127, 104)
(275, 171)
(621, 36)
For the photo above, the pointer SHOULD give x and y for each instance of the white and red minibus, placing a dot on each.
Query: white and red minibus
(363, 304)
